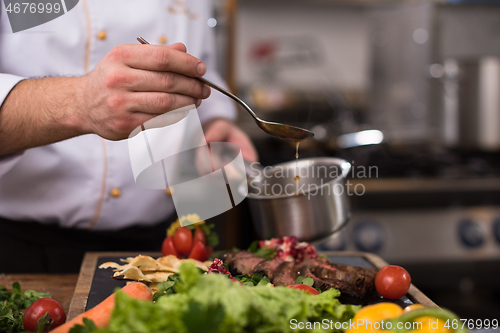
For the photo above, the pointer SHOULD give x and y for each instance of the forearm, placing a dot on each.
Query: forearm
(39, 112)
(129, 86)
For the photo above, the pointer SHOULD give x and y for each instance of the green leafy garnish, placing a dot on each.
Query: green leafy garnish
(174, 282)
(166, 287)
(263, 252)
(11, 319)
(44, 323)
(256, 280)
(252, 248)
(303, 280)
(213, 303)
(11, 304)
(212, 238)
(87, 327)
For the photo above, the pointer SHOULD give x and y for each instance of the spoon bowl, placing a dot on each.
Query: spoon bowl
(282, 131)
(285, 132)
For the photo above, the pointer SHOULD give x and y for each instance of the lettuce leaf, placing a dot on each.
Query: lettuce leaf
(213, 303)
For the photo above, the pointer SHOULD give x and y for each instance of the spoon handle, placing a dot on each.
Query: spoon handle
(228, 94)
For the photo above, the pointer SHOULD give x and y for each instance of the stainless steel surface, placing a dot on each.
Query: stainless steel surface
(311, 208)
(401, 44)
(436, 73)
(431, 235)
(424, 220)
(469, 31)
(472, 104)
(281, 131)
(469, 52)
(361, 138)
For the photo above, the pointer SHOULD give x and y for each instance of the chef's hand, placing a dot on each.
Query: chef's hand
(134, 83)
(221, 130)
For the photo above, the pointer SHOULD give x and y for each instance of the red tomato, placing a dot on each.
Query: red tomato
(168, 247)
(199, 252)
(306, 288)
(210, 250)
(39, 308)
(183, 240)
(199, 236)
(392, 282)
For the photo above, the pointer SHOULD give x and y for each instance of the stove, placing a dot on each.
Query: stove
(423, 205)
(434, 211)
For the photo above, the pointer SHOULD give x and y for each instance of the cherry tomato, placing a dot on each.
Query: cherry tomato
(183, 240)
(39, 308)
(168, 247)
(306, 288)
(199, 252)
(392, 282)
(199, 236)
(210, 250)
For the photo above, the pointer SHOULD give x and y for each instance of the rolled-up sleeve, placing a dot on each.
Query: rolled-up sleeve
(7, 82)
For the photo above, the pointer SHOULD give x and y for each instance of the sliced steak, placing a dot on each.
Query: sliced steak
(367, 272)
(268, 267)
(306, 272)
(351, 280)
(356, 288)
(285, 274)
(242, 262)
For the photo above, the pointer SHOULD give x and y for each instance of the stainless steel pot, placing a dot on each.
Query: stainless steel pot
(312, 208)
(472, 104)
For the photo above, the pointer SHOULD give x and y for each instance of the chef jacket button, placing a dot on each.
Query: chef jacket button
(169, 191)
(115, 193)
(102, 35)
(162, 40)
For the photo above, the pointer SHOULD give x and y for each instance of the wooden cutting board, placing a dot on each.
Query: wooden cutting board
(95, 284)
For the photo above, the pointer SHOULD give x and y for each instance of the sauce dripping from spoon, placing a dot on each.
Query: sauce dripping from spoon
(297, 177)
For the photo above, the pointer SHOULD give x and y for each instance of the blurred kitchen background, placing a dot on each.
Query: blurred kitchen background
(426, 74)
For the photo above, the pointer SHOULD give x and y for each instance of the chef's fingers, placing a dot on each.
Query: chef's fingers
(140, 80)
(220, 130)
(158, 58)
(179, 47)
(158, 102)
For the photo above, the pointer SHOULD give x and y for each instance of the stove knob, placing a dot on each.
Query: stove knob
(496, 229)
(368, 236)
(470, 233)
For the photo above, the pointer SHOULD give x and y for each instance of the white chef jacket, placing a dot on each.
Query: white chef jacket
(86, 181)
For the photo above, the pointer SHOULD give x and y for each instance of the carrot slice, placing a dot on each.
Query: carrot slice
(101, 313)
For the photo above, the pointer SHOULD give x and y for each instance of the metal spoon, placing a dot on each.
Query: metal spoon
(281, 131)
